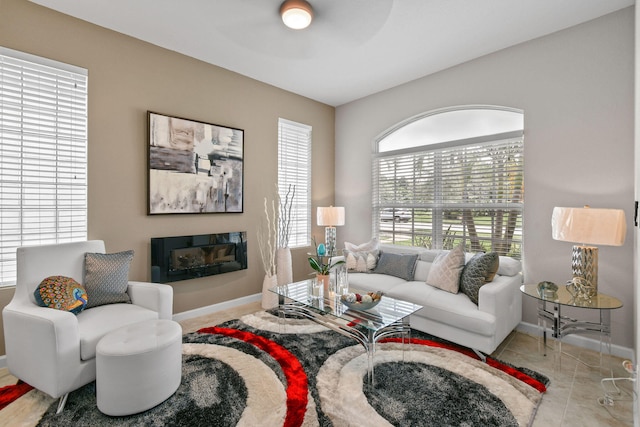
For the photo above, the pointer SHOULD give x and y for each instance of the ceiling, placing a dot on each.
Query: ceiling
(352, 49)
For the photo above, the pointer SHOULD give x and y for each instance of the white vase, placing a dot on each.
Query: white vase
(284, 267)
(269, 299)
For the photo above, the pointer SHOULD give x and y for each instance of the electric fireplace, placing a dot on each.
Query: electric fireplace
(190, 257)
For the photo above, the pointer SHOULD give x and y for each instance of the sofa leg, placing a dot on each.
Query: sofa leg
(480, 355)
(62, 402)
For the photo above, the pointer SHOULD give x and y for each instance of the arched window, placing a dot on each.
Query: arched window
(452, 176)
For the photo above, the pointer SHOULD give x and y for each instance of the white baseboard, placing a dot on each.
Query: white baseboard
(202, 311)
(579, 341)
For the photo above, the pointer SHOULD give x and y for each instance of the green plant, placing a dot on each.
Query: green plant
(317, 262)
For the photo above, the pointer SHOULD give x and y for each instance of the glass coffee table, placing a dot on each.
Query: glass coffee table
(389, 317)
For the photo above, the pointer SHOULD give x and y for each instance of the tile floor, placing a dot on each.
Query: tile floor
(572, 397)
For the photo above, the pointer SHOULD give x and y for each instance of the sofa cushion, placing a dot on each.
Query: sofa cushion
(398, 265)
(509, 266)
(446, 269)
(373, 282)
(479, 270)
(362, 261)
(61, 293)
(371, 245)
(455, 310)
(94, 323)
(106, 277)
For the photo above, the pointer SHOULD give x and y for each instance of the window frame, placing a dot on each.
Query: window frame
(425, 223)
(294, 169)
(43, 155)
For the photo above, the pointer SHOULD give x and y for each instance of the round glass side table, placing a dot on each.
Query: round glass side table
(550, 306)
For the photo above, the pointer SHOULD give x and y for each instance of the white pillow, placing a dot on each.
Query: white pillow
(446, 269)
(371, 245)
(361, 262)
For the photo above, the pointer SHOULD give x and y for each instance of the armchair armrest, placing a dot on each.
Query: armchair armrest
(42, 346)
(154, 296)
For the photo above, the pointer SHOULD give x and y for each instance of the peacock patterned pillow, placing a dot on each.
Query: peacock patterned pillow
(61, 293)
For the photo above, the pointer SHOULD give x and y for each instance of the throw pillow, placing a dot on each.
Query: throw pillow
(371, 245)
(361, 262)
(399, 265)
(479, 270)
(446, 269)
(61, 293)
(106, 277)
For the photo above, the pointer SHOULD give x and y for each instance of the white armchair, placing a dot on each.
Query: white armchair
(54, 350)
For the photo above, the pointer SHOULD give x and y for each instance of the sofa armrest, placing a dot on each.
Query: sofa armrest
(154, 296)
(502, 298)
(37, 339)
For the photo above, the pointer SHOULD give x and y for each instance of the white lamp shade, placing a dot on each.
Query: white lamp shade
(330, 216)
(296, 14)
(589, 226)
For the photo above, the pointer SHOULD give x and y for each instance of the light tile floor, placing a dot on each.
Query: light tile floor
(571, 399)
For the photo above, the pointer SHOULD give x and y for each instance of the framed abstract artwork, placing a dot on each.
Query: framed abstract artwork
(194, 167)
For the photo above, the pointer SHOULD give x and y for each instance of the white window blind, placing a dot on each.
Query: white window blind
(439, 196)
(294, 174)
(43, 155)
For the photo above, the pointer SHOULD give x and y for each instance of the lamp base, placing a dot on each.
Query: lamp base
(584, 264)
(330, 240)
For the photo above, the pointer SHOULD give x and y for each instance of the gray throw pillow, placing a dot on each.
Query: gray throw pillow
(399, 265)
(106, 278)
(479, 270)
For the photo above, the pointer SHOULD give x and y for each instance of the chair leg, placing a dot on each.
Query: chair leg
(62, 402)
(480, 355)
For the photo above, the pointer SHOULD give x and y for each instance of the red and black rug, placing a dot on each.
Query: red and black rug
(255, 371)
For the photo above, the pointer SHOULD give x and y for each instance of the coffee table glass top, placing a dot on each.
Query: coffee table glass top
(387, 312)
(562, 296)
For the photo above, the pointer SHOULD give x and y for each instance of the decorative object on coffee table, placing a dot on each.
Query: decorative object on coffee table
(322, 267)
(357, 301)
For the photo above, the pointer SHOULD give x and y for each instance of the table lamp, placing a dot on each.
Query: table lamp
(588, 227)
(330, 217)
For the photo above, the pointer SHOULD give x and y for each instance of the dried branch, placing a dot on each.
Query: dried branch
(267, 235)
(284, 220)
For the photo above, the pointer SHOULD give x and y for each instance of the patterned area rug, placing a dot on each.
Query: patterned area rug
(255, 371)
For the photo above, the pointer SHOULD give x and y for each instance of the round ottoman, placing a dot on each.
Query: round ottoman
(138, 366)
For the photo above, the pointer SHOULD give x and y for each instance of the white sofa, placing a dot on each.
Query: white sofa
(454, 317)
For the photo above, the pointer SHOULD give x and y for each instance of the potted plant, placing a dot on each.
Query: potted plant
(322, 268)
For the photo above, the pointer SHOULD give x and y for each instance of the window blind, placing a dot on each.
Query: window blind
(466, 192)
(43, 155)
(294, 172)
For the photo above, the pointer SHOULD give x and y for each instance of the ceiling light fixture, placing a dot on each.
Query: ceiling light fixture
(296, 14)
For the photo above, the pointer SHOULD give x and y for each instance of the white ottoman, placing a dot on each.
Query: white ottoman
(138, 366)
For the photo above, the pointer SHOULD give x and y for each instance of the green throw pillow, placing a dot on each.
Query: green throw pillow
(61, 293)
(106, 277)
(479, 270)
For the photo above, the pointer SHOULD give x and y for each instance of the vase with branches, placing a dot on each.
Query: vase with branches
(284, 266)
(267, 241)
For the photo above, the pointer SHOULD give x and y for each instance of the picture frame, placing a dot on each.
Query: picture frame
(194, 167)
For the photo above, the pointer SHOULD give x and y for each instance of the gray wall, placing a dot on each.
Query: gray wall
(576, 90)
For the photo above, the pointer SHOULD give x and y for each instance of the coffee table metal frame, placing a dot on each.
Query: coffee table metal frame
(389, 317)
